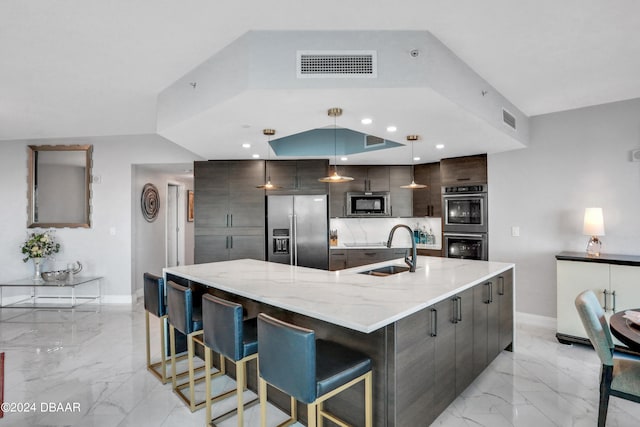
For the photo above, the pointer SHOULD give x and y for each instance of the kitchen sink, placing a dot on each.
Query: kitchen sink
(386, 271)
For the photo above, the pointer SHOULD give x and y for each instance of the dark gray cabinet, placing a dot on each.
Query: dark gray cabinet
(414, 387)
(298, 176)
(453, 331)
(466, 170)
(427, 201)
(401, 198)
(373, 178)
(435, 349)
(340, 259)
(337, 259)
(492, 319)
(221, 248)
(229, 210)
(505, 299)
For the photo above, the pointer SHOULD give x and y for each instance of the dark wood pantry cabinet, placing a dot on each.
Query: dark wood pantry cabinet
(229, 210)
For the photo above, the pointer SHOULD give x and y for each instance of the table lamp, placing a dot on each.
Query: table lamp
(594, 227)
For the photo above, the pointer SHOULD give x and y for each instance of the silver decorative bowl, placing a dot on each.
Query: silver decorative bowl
(55, 276)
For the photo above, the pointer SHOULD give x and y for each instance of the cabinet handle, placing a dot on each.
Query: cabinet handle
(490, 292)
(230, 242)
(501, 285)
(231, 220)
(226, 242)
(605, 292)
(434, 322)
(464, 179)
(459, 309)
(226, 220)
(454, 306)
(613, 296)
(488, 300)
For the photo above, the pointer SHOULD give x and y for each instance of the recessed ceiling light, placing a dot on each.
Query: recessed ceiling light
(415, 159)
(440, 146)
(391, 128)
(256, 156)
(246, 145)
(344, 159)
(366, 121)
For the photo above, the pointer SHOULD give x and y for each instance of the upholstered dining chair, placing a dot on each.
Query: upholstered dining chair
(620, 375)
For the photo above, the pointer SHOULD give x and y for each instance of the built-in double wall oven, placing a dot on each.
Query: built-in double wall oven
(465, 220)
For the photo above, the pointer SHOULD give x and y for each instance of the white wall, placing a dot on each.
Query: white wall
(576, 159)
(149, 238)
(105, 249)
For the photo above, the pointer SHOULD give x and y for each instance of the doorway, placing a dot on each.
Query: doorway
(175, 232)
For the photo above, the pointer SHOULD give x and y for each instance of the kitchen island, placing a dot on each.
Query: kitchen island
(428, 333)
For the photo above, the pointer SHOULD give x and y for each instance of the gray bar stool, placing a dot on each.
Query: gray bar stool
(185, 317)
(155, 304)
(308, 370)
(226, 333)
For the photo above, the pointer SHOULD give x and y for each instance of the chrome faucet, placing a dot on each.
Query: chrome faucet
(414, 253)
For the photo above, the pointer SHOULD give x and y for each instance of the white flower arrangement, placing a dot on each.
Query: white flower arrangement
(39, 245)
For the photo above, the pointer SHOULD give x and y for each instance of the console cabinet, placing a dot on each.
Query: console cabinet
(613, 278)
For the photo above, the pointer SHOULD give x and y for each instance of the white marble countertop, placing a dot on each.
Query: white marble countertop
(356, 301)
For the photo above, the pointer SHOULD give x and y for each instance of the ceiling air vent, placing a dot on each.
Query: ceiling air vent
(508, 119)
(337, 64)
(371, 141)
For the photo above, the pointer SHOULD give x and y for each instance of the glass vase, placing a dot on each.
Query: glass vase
(37, 276)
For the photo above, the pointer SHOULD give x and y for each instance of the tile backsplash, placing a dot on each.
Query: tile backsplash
(376, 230)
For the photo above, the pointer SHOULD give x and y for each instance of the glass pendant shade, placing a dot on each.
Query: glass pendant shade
(268, 185)
(336, 177)
(413, 185)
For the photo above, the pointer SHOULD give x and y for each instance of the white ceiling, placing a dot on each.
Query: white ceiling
(74, 68)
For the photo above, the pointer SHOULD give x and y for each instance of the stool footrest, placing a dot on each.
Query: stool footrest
(231, 412)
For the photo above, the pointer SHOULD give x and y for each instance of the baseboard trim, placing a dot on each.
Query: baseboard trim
(116, 299)
(536, 320)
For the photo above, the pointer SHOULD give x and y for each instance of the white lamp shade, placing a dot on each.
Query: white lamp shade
(593, 222)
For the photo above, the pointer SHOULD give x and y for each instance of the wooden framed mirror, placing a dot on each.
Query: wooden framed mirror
(59, 190)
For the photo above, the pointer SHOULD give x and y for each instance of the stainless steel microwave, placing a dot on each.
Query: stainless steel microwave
(369, 204)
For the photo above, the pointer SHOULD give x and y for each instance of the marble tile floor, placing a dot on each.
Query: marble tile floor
(95, 358)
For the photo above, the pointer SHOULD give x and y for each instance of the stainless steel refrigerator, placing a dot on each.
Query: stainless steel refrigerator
(297, 230)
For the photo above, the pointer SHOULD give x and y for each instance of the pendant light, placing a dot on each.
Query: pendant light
(335, 178)
(413, 185)
(268, 185)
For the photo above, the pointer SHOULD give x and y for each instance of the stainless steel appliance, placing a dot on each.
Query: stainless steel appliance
(298, 231)
(466, 246)
(465, 209)
(465, 221)
(369, 204)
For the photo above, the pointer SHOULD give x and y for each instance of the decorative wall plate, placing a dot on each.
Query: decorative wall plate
(150, 202)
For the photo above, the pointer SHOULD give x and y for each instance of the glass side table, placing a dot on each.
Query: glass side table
(27, 293)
